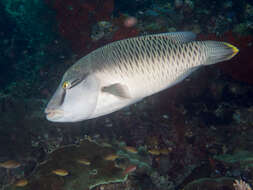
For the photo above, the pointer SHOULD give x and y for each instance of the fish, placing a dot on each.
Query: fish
(164, 151)
(129, 169)
(84, 161)
(154, 152)
(21, 183)
(111, 157)
(60, 172)
(131, 149)
(124, 72)
(10, 164)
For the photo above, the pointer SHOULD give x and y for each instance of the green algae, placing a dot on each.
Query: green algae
(81, 176)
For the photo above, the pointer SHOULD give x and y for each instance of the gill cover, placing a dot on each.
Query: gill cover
(81, 100)
(77, 101)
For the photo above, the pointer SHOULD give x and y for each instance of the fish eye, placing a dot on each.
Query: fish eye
(66, 85)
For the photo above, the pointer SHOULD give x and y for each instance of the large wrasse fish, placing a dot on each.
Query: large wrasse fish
(126, 71)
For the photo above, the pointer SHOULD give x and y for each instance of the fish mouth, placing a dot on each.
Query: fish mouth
(54, 114)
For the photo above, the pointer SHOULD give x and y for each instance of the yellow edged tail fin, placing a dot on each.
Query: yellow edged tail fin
(219, 51)
(234, 49)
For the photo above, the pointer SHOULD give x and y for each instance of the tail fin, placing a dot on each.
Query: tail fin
(219, 51)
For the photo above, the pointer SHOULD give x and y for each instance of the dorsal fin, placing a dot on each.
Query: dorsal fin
(179, 37)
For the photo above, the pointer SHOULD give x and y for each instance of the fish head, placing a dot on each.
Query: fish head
(74, 100)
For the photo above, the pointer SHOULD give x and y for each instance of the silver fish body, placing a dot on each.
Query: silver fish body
(124, 72)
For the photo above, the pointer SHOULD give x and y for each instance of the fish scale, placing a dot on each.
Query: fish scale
(158, 62)
(149, 66)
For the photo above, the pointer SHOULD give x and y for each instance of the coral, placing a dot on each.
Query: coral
(238, 164)
(100, 29)
(244, 158)
(211, 184)
(75, 19)
(80, 176)
(189, 3)
(122, 31)
(162, 182)
(241, 185)
(142, 161)
(82, 24)
(244, 116)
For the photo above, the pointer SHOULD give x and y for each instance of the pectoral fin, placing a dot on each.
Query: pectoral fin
(117, 89)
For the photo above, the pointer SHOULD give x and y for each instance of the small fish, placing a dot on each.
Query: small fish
(60, 172)
(84, 161)
(105, 144)
(154, 152)
(10, 164)
(131, 149)
(126, 71)
(111, 157)
(129, 169)
(164, 151)
(21, 183)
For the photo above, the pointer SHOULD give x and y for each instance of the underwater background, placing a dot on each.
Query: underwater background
(195, 135)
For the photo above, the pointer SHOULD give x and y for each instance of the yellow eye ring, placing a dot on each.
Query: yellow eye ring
(66, 85)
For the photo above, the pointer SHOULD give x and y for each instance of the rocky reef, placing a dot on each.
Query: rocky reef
(211, 184)
(80, 167)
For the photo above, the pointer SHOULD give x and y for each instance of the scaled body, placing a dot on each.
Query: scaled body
(126, 71)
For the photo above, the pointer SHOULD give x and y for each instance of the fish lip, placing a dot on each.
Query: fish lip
(53, 114)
